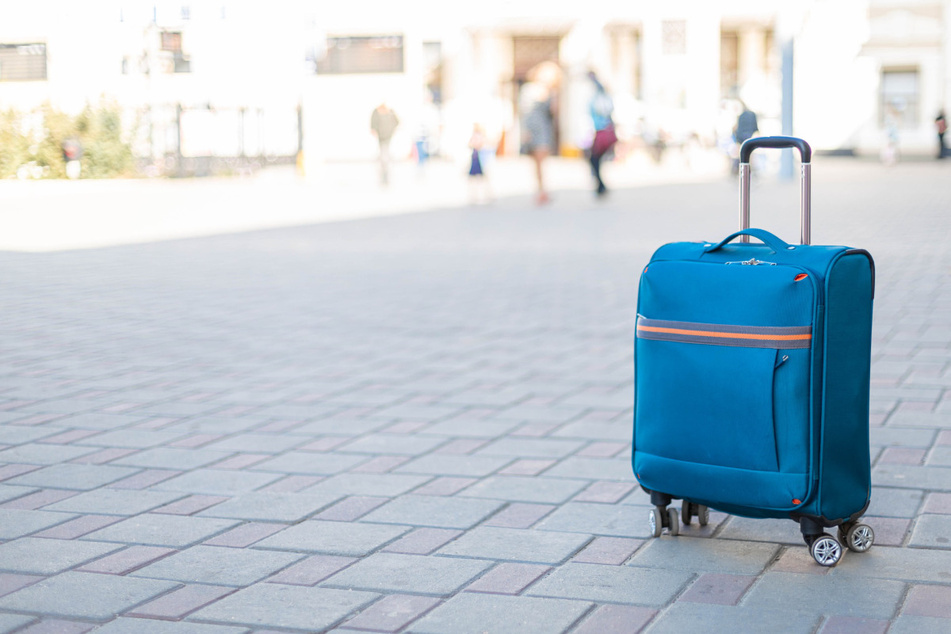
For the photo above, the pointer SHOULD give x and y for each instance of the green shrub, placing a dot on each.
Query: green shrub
(98, 129)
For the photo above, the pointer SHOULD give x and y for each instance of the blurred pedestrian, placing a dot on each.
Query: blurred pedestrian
(601, 109)
(538, 106)
(72, 153)
(941, 125)
(890, 152)
(479, 192)
(746, 126)
(383, 123)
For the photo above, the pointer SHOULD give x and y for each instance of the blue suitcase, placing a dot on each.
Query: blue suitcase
(752, 379)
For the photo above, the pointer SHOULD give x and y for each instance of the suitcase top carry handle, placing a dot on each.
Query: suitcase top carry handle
(763, 236)
(805, 195)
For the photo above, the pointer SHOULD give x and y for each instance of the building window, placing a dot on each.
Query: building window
(22, 62)
(898, 104)
(172, 43)
(351, 55)
(432, 69)
(674, 33)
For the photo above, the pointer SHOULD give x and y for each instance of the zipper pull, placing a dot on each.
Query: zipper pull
(781, 361)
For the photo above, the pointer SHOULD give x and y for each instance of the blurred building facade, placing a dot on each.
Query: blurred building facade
(238, 78)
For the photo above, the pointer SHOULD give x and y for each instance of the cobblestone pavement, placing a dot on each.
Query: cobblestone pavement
(421, 423)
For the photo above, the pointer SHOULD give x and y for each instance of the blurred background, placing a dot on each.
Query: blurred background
(209, 87)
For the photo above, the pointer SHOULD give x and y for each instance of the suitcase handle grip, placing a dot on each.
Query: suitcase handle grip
(776, 142)
(762, 235)
(805, 195)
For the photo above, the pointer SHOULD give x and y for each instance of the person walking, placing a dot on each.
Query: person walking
(601, 109)
(383, 123)
(538, 106)
(746, 127)
(941, 125)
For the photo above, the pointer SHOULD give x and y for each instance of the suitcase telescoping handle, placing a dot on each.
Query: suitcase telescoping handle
(805, 195)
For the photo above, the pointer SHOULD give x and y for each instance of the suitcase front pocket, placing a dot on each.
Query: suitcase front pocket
(710, 394)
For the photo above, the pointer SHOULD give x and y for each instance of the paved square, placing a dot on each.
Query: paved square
(422, 422)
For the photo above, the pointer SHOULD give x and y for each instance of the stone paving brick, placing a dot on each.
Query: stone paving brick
(333, 538)
(78, 527)
(474, 466)
(593, 469)
(327, 443)
(307, 463)
(706, 555)
(256, 443)
(104, 456)
(938, 503)
(798, 559)
(912, 477)
(49, 556)
(115, 501)
(525, 489)
(684, 616)
(127, 560)
(190, 505)
(40, 454)
(398, 444)
(919, 625)
(8, 471)
(312, 570)
(524, 448)
(132, 438)
(902, 455)
(461, 446)
(832, 594)
(779, 531)
(518, 515)
(526, 467)
(853, 625)
(70, 436)
(473, 613)
(18, 522)
(181, 602)
(391, 572)
(392, 613)
(10, 582)
(487, 542)
(608, 550)
(422, 541)
(437, 512)
(889, 531)
(931, 531)
(380, 464)
(268, 506)
(508, 578)
(245, 535)
(894, 502)
(351, 508)
(153, 529)
(87, 596)
(601, 449)
(217, 565)
(73, 476)
(607, 492)
(612, 584)
(615, 520)
(292, 484)
(445, 486)
(218, 482)
(144, 479)
(372, 484)
(284, 606)
(716, 588)
(172, 458)
(137, 625)
(13, 622)
(616, 618)
(58, 626)
(928, 600)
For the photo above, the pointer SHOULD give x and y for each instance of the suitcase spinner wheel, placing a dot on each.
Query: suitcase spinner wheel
(857, 537)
